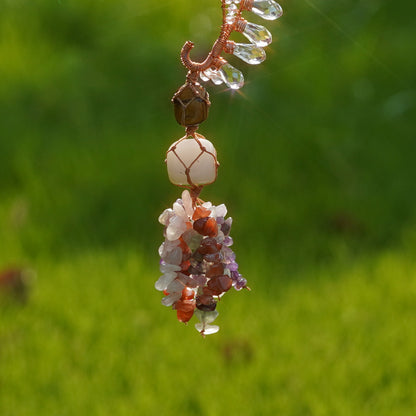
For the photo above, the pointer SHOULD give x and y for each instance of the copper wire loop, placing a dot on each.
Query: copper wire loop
(192, 77)
(191, 130)
(246, 4)
(212, 60)
(195, 191)
(240, 25)
(229, 47)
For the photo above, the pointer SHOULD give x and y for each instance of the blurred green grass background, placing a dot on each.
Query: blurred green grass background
(317, 169)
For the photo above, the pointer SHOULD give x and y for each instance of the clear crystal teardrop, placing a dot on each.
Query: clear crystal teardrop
(231, 14)
(267, 9)
(214, 76)
(232, 77)
(257, 34)
(203, 77)
(249, 53)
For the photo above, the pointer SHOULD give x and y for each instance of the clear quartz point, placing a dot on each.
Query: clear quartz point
(267, 9)
(231, 76)
(257, 34)
(249, 53)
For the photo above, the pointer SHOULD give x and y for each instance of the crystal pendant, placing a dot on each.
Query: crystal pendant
(267, 9)
(203, 77)
(232, 77)
(257, 34)
(249, 53)
(214, 76)
(231, 14)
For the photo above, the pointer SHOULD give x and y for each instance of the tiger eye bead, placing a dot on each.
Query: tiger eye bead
(191, 104)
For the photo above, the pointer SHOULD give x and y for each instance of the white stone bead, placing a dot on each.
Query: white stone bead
(207, 329)
(198, 155)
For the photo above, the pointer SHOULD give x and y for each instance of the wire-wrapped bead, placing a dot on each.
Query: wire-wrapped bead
(191, 104)
(192, 161)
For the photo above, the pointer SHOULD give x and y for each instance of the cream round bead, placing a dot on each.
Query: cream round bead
(192, 161)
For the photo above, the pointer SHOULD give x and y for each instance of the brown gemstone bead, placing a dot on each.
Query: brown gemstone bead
(191, 104)
(200, 224)
(208, 246)
(206, 303)
(219, 284)
(213, 258)
(215, 270)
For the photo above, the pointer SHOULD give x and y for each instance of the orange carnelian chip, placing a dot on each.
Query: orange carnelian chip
(184, 316)
(185, 309)
(185, 265)
(200, 212)
(183, 246)
(185, 305)
(199, 225)
(211, 228)
(206, 226)
(187, 293)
